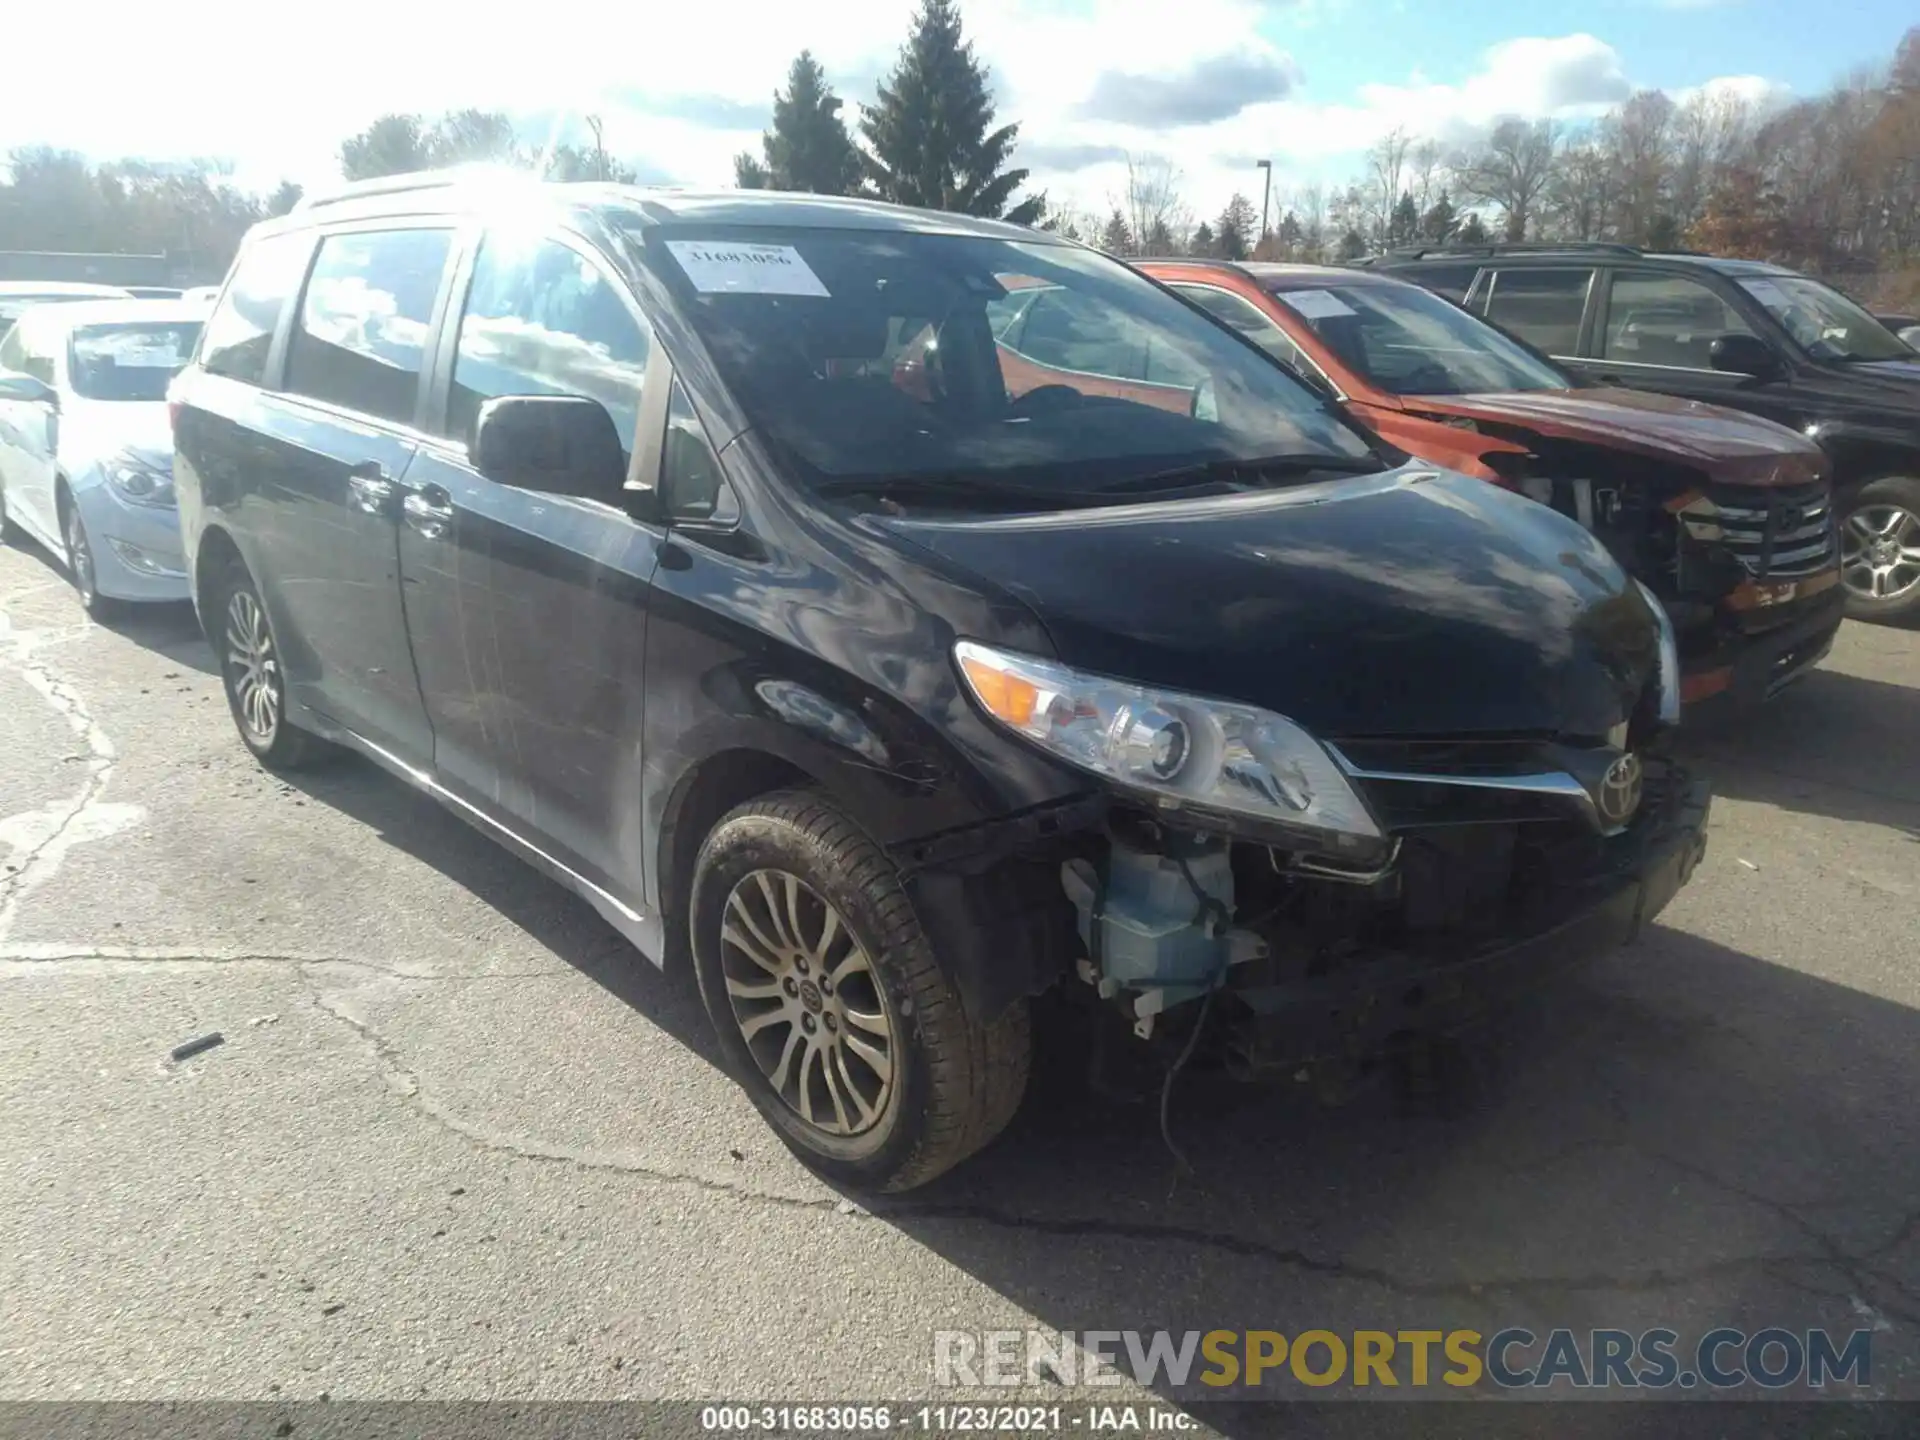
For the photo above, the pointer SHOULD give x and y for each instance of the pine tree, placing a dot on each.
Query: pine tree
(808, 147)
(1235, 228)
(930, 138)
(1440, 221)
(1290, 235)
(1202, 242)
(1403, 227)
(1117, 239)
(1474, 231)
(391, 145)
(1352, 245)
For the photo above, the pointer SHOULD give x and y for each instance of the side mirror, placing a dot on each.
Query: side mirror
(1204, 405)
(1910, 334)
(1744, 355)
(555, 444)
(24, 388)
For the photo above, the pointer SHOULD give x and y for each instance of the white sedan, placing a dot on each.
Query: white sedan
(86, 451)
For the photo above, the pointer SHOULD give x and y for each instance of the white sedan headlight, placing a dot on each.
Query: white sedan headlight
(139, 483)
(1173, 750)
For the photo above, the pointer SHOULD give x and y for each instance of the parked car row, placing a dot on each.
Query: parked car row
(899, 616)
(1736, 334)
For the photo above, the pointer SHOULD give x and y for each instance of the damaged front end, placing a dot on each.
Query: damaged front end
(1744, 556)
(1295, 901)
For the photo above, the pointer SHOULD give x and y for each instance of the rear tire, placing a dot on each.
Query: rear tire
(251, 674)
(1880, 550)
(797, 920)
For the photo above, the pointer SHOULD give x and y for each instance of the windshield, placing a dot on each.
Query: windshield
(887, 354)
(1823, 320)
(1409, 341)
(129, 362)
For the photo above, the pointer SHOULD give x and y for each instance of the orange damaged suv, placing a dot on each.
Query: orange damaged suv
(1724, 515)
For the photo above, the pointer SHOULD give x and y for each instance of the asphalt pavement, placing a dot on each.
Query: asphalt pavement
(461, 1143)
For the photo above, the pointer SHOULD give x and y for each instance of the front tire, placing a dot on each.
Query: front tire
(832, 1007)
(1880, 550)
(81, 567)
(255, 682)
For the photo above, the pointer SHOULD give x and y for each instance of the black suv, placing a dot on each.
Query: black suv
(695, 547)
(1732, 332)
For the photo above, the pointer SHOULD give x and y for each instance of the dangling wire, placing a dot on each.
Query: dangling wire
(1211, 912)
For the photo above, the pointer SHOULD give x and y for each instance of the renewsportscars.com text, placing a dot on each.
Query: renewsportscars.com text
(1657, 1359)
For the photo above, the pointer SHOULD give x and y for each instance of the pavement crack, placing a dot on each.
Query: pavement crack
(191, 956)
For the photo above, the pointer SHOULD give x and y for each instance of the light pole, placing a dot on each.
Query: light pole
(1266, 199)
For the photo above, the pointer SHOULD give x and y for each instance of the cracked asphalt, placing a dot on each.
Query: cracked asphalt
(459, 1142)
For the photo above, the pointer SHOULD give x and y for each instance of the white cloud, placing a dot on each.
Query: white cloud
(683, 88)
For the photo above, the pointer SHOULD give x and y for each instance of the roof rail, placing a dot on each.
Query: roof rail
(1504, 247)
(411, 180)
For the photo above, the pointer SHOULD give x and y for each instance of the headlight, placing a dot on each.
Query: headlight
(1173, 750)
(1669, 659)
(140, 484)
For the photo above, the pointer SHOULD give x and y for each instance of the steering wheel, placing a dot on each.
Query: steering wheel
(1044, 398)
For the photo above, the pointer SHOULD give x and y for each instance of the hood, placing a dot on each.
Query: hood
(1414, 603)
(1897, 377)
(95, 430)
(1727, 444)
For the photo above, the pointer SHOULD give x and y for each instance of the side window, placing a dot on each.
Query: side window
(1542, 307)
(1665, 320)
(240, 331)
(691, 479)
(1452, 281)
(361, 339)
(1243, 316)
(542, 320)
(1075, 332)
(36, 358)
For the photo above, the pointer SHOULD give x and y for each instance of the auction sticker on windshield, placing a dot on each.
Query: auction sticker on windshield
(718, 268)
(1317, 304)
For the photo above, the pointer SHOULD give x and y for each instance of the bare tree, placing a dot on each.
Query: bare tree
(1156, 216)
(1579, 199)
(1427, 169)
(1386, 165)
(1510, 170)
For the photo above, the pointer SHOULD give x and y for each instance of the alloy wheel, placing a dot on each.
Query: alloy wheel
(808, 1003)
(80, 556)
(253, 671)
(1880, 552)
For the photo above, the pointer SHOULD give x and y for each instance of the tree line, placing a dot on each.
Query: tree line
(1829, 184)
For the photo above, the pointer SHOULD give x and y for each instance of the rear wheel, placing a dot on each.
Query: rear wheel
(1880, 550)
(251, 673)
(831, 1004)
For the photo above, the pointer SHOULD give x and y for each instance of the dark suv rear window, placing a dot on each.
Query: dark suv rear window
(1452, 281)
(240, 330)
(1543, 307)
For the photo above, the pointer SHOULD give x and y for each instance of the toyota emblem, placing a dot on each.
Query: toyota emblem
(1619, 793)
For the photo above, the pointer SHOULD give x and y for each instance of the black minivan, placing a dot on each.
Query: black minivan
(692, 546)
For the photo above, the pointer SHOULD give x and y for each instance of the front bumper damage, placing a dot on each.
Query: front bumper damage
(1361, 1009)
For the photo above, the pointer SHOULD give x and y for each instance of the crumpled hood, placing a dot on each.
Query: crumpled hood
(1728, 444)
(1414, 603)
(95, 430)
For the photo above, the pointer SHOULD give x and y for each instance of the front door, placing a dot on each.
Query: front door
(528, 612)
(1654, 330)
(342, 440)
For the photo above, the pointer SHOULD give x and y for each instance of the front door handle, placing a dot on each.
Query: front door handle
(369, 490)
(428, 511)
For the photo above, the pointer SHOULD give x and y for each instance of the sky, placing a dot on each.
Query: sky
(1211, 86)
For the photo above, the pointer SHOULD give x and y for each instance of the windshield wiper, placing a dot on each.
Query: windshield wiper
(960, 490)
(1270, 466)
